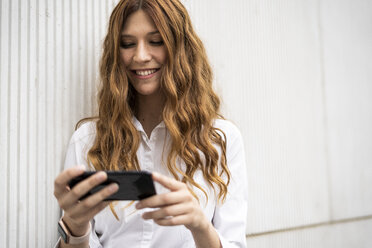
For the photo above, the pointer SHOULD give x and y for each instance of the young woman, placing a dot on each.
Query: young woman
(159, 113)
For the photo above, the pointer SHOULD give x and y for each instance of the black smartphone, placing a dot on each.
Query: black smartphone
(133, 185)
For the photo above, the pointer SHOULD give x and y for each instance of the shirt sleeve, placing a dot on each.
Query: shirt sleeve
(77, 150)
(76, 155)
(230, 216)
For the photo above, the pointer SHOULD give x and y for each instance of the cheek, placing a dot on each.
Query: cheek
(161, 55)
(164, 58)
(126, 58)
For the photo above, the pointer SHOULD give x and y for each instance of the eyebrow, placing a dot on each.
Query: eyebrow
(150, 33)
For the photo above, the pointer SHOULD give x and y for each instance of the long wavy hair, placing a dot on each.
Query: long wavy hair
(191, 105)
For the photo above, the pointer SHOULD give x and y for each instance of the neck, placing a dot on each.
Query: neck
(149, 111)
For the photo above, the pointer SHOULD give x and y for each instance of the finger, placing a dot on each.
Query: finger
(97, 209)
(168, 182)
(162, 200)
(173, 221)
(88, 215)
(92, 201)
(81, 189)
(60, 183)
(170, 211)
(93, 204)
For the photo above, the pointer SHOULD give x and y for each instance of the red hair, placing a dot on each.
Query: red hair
(191, 105)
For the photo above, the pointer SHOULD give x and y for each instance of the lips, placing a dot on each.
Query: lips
(144, 73)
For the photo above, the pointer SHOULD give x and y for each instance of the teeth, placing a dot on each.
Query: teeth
(145, 73)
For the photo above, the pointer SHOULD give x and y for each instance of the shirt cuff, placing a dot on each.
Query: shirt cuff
(58, 242)
(227, 244)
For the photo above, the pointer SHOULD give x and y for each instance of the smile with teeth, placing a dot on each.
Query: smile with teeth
(145, 72)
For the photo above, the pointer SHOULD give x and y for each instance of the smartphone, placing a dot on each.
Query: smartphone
(133, 185)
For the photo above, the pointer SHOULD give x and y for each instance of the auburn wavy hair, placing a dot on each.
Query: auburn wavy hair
(191, 105)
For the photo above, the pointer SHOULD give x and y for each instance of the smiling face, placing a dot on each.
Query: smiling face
(143, 53)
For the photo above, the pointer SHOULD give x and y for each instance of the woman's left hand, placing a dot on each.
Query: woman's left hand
(178, 207)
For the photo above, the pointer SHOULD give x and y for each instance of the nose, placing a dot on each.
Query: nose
(142, 53)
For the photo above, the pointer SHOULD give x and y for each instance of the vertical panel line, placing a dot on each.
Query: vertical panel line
(93, 66)
(8, 124)
(86, 77)
(47, 203)
(106, 13)
(1, 56)
(100, 25)
(1, 40)
(77, 86)
(19, 122)
(1, 45)
(37, 117)
(28, 121)
(63, 69)
(78, 77)
(71, 70)
(325, 116)
(55, 91)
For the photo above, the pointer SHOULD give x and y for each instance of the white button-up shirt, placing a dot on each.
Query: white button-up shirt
(131, 230)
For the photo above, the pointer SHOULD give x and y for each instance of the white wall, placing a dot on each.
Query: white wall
(295, 76)
(49, 52)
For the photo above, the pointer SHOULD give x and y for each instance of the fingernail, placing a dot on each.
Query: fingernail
(100, 176)
(138, 205)
(113, 187)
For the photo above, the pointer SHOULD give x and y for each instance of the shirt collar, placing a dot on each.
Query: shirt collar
(139, 127)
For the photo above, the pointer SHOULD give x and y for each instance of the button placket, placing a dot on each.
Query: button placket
(146, 140)
(147, 232)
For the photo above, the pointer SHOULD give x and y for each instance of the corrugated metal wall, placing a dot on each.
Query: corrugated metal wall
(49, 52)
(295, 76)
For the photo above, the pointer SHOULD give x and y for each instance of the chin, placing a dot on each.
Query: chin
(147, 91)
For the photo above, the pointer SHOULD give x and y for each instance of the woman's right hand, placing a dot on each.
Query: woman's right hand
(77, 214)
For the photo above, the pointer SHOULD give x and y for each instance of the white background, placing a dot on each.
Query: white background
(295, 76)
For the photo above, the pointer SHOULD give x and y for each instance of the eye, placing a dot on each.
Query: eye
(126, 45)
(157, 42)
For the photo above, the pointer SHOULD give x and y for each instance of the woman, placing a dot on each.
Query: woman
(157, 112)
